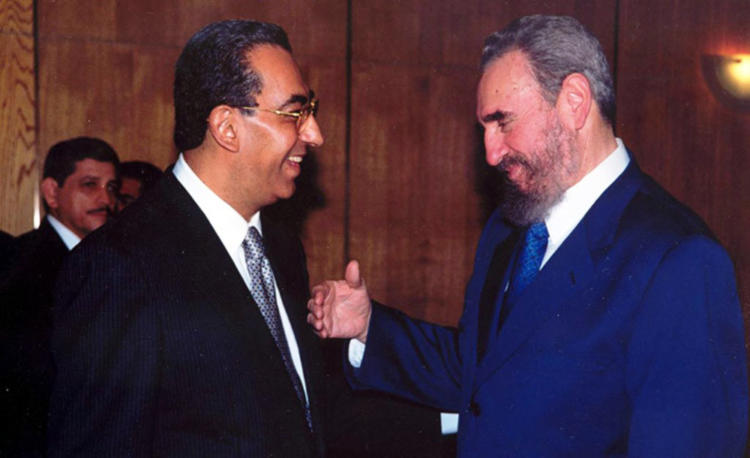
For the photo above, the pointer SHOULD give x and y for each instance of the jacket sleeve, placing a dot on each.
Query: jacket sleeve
(410, 358)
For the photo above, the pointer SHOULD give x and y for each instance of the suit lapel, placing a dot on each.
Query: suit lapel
(560, 282)
(288, 269)
(206, 273)
(288, 263)
(565, 274)
(51, 242)
(491, 300)
(286, 255)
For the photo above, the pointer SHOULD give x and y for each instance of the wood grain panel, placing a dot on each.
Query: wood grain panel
(695, 146)
(414, 215)
(418, 197)
(76, 19)
(16, 16)
(450, 33)
(19, 177)
(120, 93)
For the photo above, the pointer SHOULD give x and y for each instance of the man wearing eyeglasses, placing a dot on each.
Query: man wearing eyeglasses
(180, 329)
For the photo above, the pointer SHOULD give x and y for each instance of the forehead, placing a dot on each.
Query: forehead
(507, 85)
(93, 168)
(279, 73)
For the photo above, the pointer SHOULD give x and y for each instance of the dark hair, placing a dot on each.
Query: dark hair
(145, 172)
(213, 69)
(62, 157)
(555, 47)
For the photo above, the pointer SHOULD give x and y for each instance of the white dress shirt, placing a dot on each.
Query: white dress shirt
(231, 228)
(68, 237)
(562, 218)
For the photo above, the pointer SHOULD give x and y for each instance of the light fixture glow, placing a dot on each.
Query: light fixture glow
(735, 74)
(728, 77)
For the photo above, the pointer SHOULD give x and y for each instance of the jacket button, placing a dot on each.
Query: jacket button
(474, 408)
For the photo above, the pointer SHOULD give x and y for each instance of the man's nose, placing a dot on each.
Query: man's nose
(310, 132)
(495, 147)
(107, 196)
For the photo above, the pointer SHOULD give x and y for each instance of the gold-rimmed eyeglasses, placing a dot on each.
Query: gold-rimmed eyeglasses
(300, 116)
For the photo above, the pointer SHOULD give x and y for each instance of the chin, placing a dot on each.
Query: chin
(287, 192)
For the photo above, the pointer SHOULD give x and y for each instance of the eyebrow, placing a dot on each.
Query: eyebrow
(299, 98)
(497, 116)
(90, 177)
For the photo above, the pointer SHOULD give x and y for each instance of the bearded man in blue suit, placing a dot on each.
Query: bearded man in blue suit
(601, 318)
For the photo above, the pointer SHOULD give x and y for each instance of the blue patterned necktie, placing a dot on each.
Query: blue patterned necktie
(264, 292)
(529, 260)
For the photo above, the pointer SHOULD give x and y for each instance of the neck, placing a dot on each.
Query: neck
(594, 144)
(216, 171)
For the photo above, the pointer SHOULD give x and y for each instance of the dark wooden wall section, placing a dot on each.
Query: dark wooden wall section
(698, 148)
(19, 173)
(405, 195)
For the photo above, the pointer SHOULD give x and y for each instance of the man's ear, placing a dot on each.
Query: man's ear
(223, 127)
(574, 101)
(50, 190)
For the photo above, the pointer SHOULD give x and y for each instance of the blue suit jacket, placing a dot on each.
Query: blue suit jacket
(629, 342)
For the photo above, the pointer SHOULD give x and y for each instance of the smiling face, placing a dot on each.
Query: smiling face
(524, 139)
(272, 147)
(86, 197)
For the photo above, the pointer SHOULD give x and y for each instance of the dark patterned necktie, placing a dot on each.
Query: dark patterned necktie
(264, 293)
(529, 260)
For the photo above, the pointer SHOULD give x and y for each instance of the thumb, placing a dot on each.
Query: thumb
(352, 276)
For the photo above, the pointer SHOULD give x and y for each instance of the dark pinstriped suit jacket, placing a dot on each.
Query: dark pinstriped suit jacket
(161, 350)
(26, 370)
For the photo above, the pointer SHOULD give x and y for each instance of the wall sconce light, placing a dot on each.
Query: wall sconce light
(728, 77)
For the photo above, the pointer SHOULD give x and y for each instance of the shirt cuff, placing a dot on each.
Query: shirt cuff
(356, 353)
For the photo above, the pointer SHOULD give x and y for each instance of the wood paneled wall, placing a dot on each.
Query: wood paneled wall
(680, 133)
(406, 193)
(19, 171)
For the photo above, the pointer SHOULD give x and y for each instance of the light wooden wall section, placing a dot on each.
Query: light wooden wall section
(19, 171)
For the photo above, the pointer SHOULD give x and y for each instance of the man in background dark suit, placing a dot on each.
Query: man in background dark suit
(7, 244)
(180, 328)
(79, 185)
(602, 316)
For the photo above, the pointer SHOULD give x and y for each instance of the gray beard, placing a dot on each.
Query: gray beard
(523, 209)
(547, 173)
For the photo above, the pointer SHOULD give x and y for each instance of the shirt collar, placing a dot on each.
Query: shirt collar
(228, 224)
(68, 237)
(564, 216)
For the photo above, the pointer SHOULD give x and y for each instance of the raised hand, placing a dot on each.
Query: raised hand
(342, 308)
